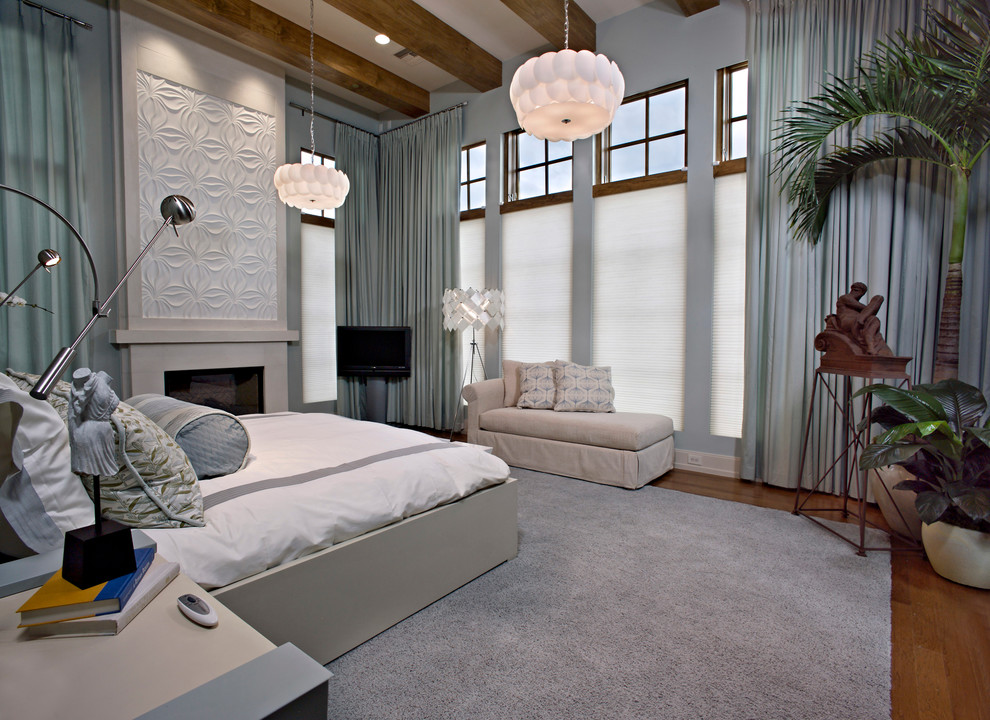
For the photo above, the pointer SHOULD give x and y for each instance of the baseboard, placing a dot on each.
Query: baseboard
(721, 465)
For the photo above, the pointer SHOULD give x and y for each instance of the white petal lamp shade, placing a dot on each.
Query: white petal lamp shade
(473, 308)
(566, 95)
(311, 187)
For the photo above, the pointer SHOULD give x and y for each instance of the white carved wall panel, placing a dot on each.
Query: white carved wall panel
(220, 155)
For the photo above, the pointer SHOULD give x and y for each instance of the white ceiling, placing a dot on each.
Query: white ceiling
(488, 23)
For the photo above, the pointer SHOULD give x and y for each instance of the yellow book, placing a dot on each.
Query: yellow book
(58, 599)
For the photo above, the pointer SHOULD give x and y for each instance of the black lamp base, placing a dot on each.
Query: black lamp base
(95, 554)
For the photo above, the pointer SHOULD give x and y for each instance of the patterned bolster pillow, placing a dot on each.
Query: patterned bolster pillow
(215, 441)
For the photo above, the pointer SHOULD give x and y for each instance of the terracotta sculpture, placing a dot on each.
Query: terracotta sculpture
(851, 339)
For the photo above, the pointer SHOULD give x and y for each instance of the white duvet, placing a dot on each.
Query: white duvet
(335, 479)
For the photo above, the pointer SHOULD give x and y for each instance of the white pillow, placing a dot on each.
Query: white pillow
(40, 498)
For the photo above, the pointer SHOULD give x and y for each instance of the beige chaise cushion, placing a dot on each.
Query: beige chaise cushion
(622, 431)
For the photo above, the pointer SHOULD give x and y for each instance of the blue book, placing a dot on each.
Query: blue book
(58, 599)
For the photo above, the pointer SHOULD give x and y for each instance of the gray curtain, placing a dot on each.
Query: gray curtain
(356, 234)
(398, 230)
(41, 153)
(419, 185)
(889, 229)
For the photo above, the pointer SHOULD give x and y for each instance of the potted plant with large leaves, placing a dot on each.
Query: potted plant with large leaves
(940, 434)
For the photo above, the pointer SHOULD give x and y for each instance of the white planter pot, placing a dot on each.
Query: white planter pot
(897, 506)
(958, 554)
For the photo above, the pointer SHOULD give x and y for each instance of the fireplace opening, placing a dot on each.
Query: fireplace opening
(239, 391)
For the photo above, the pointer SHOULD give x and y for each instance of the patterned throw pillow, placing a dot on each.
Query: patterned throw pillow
(156, 485)
(536, 386)
(583, 389)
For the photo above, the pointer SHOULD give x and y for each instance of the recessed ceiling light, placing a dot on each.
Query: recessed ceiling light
(382, 39)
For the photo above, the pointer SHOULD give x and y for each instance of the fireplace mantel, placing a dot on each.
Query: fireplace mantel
(162, 337)
(153, 352)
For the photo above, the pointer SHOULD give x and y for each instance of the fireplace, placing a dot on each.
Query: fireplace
(236, 390)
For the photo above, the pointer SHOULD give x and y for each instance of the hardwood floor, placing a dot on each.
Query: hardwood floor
(940, 634)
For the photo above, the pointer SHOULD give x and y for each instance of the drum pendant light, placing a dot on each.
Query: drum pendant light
(566, 95)
(306, 185)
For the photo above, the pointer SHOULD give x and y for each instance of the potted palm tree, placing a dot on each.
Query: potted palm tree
(929, 99)
(940, 434)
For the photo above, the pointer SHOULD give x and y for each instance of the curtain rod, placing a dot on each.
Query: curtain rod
(57, 14)
(317, 113)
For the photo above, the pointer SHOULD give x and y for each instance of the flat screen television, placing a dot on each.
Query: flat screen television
(364, 351)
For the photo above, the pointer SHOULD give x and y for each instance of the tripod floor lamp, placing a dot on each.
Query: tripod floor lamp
(476, 309)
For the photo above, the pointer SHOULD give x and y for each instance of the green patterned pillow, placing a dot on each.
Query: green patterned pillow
(536, 386)
(156, 485)
(583, 389)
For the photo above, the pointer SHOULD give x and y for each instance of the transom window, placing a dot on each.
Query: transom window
(647, 137)
(473, 178)
(536, 168)
(731, 114)
(319, 217)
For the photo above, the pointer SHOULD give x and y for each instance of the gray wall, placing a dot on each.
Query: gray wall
(653, 45)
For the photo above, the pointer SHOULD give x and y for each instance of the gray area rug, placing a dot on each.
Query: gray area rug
(640, 604)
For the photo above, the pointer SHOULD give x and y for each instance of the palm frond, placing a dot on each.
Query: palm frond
(811, 193)
(929, 98)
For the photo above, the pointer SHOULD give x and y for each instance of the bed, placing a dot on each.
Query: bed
(335, 529)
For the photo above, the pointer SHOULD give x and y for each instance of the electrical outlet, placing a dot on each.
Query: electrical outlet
(694, 459)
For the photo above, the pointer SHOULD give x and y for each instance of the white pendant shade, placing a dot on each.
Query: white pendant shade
(566, 95)
(311, 187)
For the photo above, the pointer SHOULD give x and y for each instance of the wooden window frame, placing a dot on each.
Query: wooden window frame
(511, 170)
(723, 139)
(307, 217)
(472, 213)
(603, 147)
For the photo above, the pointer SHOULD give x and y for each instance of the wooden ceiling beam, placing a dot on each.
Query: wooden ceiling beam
(547, 18)
(416, 29)
(260, 29)
(692, 7)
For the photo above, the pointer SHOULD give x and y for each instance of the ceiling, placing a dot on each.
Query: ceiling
(433, 42)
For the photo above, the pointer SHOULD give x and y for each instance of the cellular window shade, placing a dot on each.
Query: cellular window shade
(318, 327)
(472, 274)
(536, 278)
(639, 297)
(728, 305)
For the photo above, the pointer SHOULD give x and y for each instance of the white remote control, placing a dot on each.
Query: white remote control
(197, 610)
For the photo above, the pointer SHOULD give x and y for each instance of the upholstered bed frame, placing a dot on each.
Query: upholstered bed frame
(332, 601)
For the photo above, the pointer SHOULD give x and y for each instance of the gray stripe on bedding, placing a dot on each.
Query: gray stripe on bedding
(235, 492)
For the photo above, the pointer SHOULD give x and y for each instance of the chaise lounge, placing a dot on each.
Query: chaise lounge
(613, 448)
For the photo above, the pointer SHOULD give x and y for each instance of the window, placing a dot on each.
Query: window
(729, 297)
(646, 140)
(319, 217)
(472, 275)
(472, 181)
(731, 100)
(728, 305)
(318, 324)
(640, 297)
(536, 168)
(536, 279)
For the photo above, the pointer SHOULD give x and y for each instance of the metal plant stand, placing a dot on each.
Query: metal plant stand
(853, 440)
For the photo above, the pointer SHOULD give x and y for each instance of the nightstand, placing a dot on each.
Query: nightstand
(160, 664)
